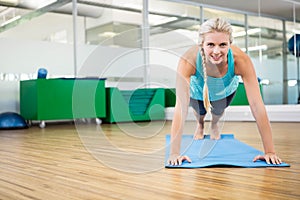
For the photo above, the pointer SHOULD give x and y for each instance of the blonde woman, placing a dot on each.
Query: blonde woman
(207, 78)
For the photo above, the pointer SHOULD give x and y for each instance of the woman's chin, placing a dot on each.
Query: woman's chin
(216, 62)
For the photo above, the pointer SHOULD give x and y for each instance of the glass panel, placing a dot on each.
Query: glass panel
(173, 25)
(114, 39)
(36, 21)
(265, 48)
(293, 85)
(173, 30)
(33, 35)
(118, 24)
(39, 34)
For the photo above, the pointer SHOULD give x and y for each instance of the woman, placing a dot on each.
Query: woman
(207, 78)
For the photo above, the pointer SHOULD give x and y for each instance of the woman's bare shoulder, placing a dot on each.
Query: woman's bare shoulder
(237, 52)
(191, 54)
(187, 63)
(241, 61)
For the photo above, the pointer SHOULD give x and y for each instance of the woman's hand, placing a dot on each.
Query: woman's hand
(177, 159)
(270, 158)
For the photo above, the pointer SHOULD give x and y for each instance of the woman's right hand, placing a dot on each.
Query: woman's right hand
(177, 159)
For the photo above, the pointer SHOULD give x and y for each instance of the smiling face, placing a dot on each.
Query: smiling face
(216, 46)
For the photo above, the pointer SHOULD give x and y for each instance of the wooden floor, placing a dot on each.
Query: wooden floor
(125, 161)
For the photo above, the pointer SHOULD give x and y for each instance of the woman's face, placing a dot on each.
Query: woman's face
(216, 46)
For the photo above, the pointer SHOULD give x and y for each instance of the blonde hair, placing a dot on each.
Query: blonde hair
(211, 25)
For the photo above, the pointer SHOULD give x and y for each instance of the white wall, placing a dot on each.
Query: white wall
(26, 56)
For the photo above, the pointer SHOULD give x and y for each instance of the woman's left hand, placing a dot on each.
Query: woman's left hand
(270, 158)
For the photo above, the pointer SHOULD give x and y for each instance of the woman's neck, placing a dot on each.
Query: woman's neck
(216, 70)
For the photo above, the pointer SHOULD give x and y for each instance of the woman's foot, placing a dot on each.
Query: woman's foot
(215, 132)
(199, 134)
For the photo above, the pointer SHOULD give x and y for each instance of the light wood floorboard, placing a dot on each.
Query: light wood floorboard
(125, 161)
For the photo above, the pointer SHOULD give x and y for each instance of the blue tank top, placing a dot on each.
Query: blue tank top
(218, 88)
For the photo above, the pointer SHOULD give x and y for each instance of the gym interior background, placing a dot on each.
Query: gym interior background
(136, 44)
(81, 38)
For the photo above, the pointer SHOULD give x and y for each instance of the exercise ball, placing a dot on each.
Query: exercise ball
(291, 45)
(42, 73)
(11, 120)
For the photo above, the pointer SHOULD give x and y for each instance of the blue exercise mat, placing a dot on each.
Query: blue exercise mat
(226, 151)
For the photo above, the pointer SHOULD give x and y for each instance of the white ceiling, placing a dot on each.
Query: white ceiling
(282, 9)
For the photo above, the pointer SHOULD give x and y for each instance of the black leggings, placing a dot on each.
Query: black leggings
(217, 107)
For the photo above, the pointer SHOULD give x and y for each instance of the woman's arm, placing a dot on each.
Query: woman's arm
(186, 68)
(244, 67)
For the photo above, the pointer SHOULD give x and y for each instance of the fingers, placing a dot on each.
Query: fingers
(178, 160)
(274, 159)
(279, 161)
(269, 158)
(259, 157)
(173, 162)
(187, 159)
